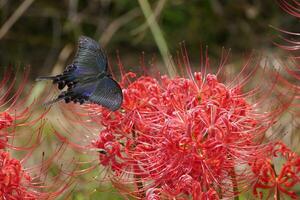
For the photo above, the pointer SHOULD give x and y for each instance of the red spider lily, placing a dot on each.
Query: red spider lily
(181, 136)
(277, 183)
(185, 137)
(11, 173)
(13, 180)
(21, 131)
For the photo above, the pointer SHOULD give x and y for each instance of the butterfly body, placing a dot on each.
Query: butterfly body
(87, 78)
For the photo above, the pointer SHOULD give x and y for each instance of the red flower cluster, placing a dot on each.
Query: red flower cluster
(182, 138)
(16, 181)
(5, 121)
(277, 182)
(13, 179)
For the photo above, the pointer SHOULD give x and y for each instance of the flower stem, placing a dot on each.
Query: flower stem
(137, 178)
(140, 186)
(277, 193)
(234, 184)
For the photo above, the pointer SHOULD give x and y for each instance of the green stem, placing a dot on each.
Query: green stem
(158, 36)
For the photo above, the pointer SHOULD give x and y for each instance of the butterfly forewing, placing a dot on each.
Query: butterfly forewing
(107, 93)
(90, 56)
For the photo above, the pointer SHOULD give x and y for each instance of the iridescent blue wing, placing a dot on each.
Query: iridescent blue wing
(87, 78)
(104, 91)
(90, 61)
(107, 93)
(90, 57)
(80, 93)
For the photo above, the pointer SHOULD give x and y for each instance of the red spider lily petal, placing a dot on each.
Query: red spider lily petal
(16, 112)
(291, 66)
(153, 194)
(285, 180)
(13, 180)
(290, 6)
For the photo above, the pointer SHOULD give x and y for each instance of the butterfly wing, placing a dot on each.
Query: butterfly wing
(104, 91)
(107, 93)
(80, 93)
(87, 78)
(90, 60)
(90, 57)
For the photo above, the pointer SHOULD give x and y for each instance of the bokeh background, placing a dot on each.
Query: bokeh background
(44, 33)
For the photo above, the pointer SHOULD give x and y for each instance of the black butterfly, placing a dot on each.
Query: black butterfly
(87, 78)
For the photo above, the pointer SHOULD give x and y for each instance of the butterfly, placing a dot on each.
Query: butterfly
(87, 78)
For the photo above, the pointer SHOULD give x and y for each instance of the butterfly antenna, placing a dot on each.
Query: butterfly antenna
(42, 78)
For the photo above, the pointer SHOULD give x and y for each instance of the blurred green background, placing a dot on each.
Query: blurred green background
(44, 33)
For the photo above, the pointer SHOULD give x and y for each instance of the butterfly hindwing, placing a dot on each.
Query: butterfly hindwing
(79, 94)
(90, 57)
(107, 93)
